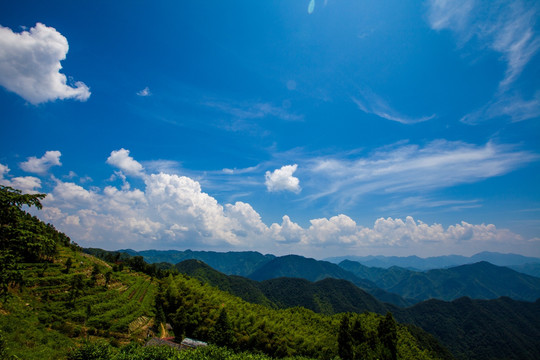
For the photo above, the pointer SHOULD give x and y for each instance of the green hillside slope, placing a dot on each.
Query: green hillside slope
(294, 266)
(480, 329)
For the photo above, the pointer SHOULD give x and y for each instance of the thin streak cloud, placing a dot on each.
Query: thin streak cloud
(411, 168)
(371, 103)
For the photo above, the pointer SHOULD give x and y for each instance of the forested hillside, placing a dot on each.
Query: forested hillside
(480, 329)
(328, 296)
(294, 266)
(471, 329)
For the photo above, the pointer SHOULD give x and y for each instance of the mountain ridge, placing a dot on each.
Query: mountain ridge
(437, 262)
(481, 280)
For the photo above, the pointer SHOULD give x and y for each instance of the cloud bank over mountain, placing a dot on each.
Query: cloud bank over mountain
(173, 211)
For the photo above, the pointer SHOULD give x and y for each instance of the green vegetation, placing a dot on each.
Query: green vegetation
(194, 310)
(103, 351)
(480, 329)
(61, 303)
(328, 296)
(58, 302)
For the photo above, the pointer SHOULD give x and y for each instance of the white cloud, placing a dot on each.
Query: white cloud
(256, 110)
(4, 169)
(144, 92)
(512, 106)
(371, 103)
(122, 160)
(507, 27)
(411, 168)
(30, 65)
(282, 179)
(27, 184)
(288, 232)
(43, 164)
(172, 211)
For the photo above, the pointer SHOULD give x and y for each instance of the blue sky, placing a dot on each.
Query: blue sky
(318, 127)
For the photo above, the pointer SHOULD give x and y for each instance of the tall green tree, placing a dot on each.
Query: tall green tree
(387, 330)
(77, 284)
(345, 343)
(222, 333)
(20, 235)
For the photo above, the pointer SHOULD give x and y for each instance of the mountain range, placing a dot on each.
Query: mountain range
(480, 280)
(472, 329)
(240, 263)
(396, 285)
(439, 262)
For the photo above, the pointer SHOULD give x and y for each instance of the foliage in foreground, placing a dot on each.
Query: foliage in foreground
(103, 351)
(197, 310)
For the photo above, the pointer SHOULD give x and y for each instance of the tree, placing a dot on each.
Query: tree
(68, 265)
(91, 351)
(22, 234)
(108, 276)
(222, 333)
(10, 274)
(77, 285)
(16, 241)
(359, 340)
(345, 350)
(387, 330)
(95, 272)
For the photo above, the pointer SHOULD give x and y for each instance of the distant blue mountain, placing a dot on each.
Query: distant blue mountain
(240, 263)
(438, 262)
(481, 280)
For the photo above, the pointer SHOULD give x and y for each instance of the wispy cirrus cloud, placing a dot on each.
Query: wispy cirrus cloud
(512, 106)
(253, 110)
(423, 202)
(371, 103)
(412, 168)
(144, 92)
(507, 27)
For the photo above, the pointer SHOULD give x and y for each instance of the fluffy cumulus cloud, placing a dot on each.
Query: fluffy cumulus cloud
(123, 161)
(30, 65)
(43, 164)
(283, 180)
(27, 184)
(173, 211)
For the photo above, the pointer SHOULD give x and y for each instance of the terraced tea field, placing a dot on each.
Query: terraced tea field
(76, 299)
